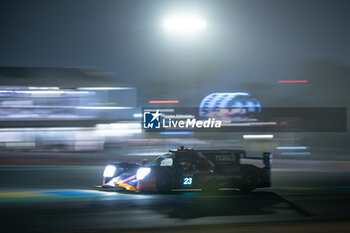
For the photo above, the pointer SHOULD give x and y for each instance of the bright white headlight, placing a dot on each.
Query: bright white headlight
(109, 171)
(142, 172)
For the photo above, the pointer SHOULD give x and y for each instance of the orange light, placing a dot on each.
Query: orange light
(292, 81)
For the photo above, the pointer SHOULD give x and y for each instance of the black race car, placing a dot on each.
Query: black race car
(192, 169)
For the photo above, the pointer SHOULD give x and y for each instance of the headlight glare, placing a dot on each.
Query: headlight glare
(109, 171)
(142, 172)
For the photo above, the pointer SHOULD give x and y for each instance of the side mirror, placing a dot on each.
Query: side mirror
(144, 161)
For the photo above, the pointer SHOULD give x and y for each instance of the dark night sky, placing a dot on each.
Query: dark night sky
(247, 46)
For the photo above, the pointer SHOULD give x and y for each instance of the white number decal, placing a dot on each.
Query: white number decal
(187, 181)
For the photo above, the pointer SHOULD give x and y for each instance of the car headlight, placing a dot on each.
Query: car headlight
(142, 172)
(109, 171)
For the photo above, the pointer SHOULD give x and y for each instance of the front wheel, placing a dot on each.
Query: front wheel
(165, 181)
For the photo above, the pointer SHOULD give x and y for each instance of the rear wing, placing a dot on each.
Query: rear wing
(266, 158)
(228, 156)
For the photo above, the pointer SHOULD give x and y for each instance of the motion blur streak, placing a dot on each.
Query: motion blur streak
(176, 133)
(104, 88)
(276, 73)
(87, 107)
(292, 148)
(292, 81)
(296, 153)
(118, 129)
(250, 124)
(160, 110)
(164, 101)
(258, 136)
(137, 115)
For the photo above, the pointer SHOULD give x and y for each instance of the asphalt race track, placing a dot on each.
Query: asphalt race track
(62, 199)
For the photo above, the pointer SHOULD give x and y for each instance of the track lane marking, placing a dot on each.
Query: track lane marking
(22, 195)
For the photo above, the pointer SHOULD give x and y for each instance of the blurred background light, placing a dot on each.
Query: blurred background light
(184, 24)
(177, 133)
(164, 101)
(102, 107)
(104, 88)
(137, 115)
(292, 81)
(296, 153)
(258, 136)
(229, 104)
(291, 148)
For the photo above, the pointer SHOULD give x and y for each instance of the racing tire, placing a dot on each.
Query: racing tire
(165, 181)
(249, 179)
(210, 187)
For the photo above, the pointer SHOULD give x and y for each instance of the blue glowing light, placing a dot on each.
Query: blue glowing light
(187, 181)
(292, 148)
(176, 133)
(230, 104)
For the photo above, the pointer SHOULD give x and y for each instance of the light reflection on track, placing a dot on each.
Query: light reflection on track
(71, 194)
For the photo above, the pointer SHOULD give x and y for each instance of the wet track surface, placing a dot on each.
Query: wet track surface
(63, 200)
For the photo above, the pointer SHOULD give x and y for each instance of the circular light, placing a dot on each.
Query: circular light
(184, 24)
(142, 173)
(109, 171)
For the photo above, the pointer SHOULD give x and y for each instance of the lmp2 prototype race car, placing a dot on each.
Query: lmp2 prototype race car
(185, 169)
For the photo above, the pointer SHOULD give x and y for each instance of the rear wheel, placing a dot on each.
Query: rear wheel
(165, 181)
(249, 179)
(211, 186)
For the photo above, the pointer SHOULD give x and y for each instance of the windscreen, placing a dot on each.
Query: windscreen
(165, 160)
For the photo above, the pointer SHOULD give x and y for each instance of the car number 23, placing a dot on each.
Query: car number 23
(187, 181)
